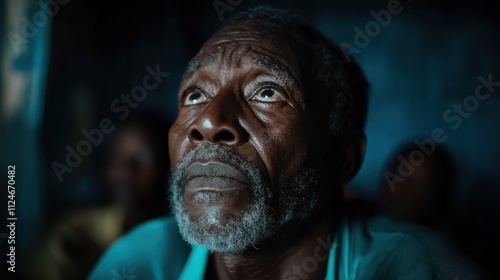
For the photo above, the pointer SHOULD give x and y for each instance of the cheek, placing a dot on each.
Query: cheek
(178, 137)
(177, 144)
(291, 155)
(284, 146)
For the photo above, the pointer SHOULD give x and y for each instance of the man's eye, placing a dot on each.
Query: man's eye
(268, 94)
(195, 97)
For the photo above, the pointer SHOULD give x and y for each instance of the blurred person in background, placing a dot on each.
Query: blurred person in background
(412, 190)
(423, 196)
(134, 174)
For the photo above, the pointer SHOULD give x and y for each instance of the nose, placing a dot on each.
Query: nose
(218, 123)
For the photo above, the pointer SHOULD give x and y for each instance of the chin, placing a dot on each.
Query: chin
(216, 225)
(218, 205)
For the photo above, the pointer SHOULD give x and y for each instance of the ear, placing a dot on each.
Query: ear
(353, 150)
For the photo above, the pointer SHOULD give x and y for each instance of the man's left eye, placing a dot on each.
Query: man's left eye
(268, 94)
(195, 97)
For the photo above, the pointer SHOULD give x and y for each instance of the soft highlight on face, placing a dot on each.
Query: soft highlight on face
(265, 217)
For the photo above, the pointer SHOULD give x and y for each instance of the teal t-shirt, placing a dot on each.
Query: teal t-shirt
(361, 249)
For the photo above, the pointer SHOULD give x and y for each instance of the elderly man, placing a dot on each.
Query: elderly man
(270, 127)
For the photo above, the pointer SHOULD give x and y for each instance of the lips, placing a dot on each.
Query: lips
(214, 176)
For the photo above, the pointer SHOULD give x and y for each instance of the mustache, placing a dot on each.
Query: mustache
(211, 151)
(218, 152)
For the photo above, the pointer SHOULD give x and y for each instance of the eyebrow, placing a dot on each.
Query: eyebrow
(276, 68)
(267, 62)
(193, 65)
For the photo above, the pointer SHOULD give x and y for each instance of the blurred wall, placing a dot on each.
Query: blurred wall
(24, 59)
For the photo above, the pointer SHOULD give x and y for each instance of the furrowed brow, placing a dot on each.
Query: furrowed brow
(276, 68)
(269, 63)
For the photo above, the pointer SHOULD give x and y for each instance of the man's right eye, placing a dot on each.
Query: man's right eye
(195, 97)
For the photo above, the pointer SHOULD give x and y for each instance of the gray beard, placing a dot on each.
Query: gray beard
(261, 221)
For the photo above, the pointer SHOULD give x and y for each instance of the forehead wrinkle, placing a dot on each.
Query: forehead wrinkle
(229, 49)
(229, 52)
(231, 57)
(236, 34)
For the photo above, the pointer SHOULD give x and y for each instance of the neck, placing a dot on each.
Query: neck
(305, 257)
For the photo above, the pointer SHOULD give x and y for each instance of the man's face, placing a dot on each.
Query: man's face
(241, 144)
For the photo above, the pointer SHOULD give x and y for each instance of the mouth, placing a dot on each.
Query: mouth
(214, 176)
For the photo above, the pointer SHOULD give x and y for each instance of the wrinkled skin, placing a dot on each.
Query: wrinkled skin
(245, 91)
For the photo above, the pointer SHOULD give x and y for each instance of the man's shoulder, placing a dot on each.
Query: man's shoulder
(386, 249)
(144, 251)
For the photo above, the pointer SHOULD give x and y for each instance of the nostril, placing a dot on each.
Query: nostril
(196, 135)
(224, 136)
